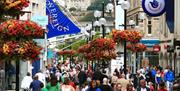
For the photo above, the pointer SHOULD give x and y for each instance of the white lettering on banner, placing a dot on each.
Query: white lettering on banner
(53, 10)
(54, 18)
(49, 4)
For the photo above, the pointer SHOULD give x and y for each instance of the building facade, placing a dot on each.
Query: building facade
(150, 27)
(177, 35)
(81, 5)
(170, 54)
(156, 32)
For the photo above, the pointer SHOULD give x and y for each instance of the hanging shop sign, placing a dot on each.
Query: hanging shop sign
(156, 48)
(154, 7)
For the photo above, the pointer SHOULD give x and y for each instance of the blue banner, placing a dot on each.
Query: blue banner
(59, 24)
(170, 15)
(36, 67)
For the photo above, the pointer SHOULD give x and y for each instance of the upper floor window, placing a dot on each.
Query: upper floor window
(149, 29)
(149, 25)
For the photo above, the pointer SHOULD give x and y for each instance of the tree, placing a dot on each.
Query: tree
(97, 5)
(72, 9)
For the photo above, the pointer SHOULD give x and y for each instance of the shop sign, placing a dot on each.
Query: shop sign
(154, 7)
(156, 48)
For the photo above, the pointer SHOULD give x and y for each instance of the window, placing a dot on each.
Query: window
(33, 6)
(149, 22)
(149, 25)
(149, 29)
(156, 18)
(137, 20)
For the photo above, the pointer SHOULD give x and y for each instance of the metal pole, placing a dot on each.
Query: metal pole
(103, 27)
(17, 66)
(17, 75)
(174, 52)
(71, 57)
(91, 36)
(125, 50)
(46, 49)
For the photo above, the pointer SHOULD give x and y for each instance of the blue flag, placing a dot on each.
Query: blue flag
(59, 24)
(170, 15)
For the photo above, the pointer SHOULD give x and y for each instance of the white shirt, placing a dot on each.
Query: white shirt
(58, 74)
(143, 89)
(26, 82)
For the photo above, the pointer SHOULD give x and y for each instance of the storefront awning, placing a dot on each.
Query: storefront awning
(150, 42)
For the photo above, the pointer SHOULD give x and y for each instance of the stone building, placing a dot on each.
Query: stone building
(150, 27)
(156, 32)
(80, 5)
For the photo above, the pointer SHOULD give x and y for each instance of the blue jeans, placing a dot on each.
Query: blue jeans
(169, 85)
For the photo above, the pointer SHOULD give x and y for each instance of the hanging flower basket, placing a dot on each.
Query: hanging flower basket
(102, 44)
(126, 35)
(66, 52)
(12, 8)
(84, 48)
(21, 49)
(15, 4)
(136, 47)
(99, 49)
(15, 29)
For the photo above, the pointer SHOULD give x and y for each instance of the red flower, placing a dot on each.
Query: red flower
(16, 4)
(99, 49)
(136, 47)
(126, 35)
(18, 28)
(67, 52)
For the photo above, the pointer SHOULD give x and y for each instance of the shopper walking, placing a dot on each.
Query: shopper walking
(25, 84)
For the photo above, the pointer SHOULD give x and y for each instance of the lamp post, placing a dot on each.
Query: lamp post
(89, 28)
(124, 5)
(102, 20)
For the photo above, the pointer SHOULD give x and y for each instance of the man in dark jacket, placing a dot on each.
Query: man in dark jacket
(36, 85)
(105, 86)
(82, 77)
(143, 86)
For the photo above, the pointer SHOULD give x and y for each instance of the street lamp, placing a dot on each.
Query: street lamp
(89, 28)
(102, 20)
(97, 14)
(132, 23)
(124, 5)
(109, 7)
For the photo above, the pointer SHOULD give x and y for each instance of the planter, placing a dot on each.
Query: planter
(136, 47)
(127, 35)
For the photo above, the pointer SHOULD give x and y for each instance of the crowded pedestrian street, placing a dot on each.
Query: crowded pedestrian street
(89, 45)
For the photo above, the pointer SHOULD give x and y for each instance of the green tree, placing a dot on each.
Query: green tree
(97, 5)
(72, 9)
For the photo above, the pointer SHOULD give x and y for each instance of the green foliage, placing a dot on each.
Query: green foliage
(97, 5)
(72, 9)
(88, 17)
(74, 46)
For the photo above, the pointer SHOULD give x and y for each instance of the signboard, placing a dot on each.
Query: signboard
(150, 42)
(156, 48)
(117, 64)
(154, 7)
